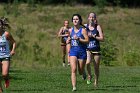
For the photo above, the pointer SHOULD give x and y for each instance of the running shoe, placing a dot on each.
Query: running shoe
(95, 85)
(84, 76)
(64, 65)
(7, 82)
(74, 89)
(88, 82)
(68, 63)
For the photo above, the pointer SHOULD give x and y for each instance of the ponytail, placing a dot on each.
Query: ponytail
(5, 22)
(84, 27)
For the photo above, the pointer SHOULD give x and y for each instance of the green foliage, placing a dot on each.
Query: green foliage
(16, 2)
(117, 2)
(108, 51)
(20, 32)
(101, 5)
(31, 8)
(37, 51)
(12, 9)
(19, 53)
(31, 3)
(132, 57)
(22, 47)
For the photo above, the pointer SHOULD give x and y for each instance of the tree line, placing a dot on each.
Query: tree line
(122, 3)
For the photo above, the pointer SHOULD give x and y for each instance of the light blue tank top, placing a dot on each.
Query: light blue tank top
(4, 47)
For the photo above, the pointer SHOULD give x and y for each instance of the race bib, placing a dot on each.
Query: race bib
(92, 44)
(74, 43)
(3, 48)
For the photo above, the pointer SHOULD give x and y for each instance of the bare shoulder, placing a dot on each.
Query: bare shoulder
(70, 29)
(84, 31)
(7, 34)
(99, 28)
(62, 28)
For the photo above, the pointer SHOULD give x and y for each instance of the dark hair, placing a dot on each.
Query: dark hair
(5, 22)
(79, 16)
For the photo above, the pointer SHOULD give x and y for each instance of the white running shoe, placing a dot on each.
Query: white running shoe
(68, 64)
(74, 89)
(64, 65)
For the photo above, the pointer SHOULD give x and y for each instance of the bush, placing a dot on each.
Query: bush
(132, 57)
(12, 9)
(108, 51)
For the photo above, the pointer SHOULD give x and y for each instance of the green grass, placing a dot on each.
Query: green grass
(57, 80)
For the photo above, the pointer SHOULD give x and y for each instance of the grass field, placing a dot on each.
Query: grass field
(57, 80)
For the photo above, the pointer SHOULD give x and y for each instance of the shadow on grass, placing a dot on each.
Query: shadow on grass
(105, 89)
(16, 78)
(112, 88)
(15, 72)
(121, 86)
(24, 90)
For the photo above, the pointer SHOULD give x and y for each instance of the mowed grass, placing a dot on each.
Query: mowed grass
(57, 80)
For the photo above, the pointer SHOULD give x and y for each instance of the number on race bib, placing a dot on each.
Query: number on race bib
(91, 44)
(3, 48)
(75, 43)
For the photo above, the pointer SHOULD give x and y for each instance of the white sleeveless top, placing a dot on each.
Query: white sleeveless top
(4, 47)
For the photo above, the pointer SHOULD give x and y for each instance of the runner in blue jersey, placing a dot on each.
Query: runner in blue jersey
(78, 40)
(64, 33)
(5, 52)
(95, 34)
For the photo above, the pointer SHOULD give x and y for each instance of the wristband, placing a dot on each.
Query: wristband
(78, 38)
(95, 36)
